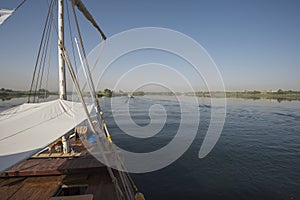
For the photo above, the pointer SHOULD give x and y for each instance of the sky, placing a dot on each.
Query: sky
(254, 43)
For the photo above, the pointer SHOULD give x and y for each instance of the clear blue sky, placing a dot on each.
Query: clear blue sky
(255, 44)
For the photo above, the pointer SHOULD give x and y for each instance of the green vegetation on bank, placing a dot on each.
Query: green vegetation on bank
(138, 93)
(110, 93)
(278, 95)
(105, 93)
(6, 94)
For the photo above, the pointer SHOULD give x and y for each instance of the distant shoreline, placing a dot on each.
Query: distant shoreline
(279, 95)
(7, 94)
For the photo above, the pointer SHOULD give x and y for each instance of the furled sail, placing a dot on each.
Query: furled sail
(88, 16)
(30, 127)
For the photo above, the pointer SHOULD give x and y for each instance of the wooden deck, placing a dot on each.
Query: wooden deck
(45, 187)
(46, 176)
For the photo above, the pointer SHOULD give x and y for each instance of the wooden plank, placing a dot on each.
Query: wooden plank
(10, 186)
(38, 167)
(102, 191)
(44, 187)
(76, 197)
(30, 188)
(57, 155)
(37, 191)
(75, 180)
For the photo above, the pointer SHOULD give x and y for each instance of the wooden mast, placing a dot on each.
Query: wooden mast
(61, 67)
(61, 62)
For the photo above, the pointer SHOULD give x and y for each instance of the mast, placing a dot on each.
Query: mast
(61, 62)
(61, 67)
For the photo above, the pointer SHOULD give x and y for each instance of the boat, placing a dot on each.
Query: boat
(44, 150)
(130, 96)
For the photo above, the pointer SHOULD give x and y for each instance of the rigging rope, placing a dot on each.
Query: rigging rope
(49, 59)
(20, 5)
(127, 192)
(138, 195)
(113, 178)
(79, 93)
(121, 175)
(96, 62)
(39, 52)
(46, 50)
(48, 70)
(71, 36)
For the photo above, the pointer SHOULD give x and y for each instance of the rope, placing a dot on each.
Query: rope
(87, 66)
(46, 50)
(39, 52)
(53, 24)
(125, 185)
(121, 175)
(83, 49)
(119, 159)
(49, 57)
(20, 5)
(79, 93)
(99, 54)
(97, 103)
(96, 62)
(71, 36)
(82, 46)
(123, 167)
(114, 180)
(104, 127)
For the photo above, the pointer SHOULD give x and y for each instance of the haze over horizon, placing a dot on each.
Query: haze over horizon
(255, 44)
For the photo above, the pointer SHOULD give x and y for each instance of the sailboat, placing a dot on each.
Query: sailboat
(40, 154)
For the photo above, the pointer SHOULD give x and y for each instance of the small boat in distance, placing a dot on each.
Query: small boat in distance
(130, 96)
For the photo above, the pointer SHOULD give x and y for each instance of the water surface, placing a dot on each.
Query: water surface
(256, 157)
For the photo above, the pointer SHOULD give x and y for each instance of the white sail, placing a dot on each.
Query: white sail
(30, 127)
(4, 14)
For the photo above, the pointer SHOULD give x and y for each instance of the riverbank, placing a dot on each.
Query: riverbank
(7, 94)
(279, 95)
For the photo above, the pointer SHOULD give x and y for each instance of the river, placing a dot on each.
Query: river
(256, 157)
